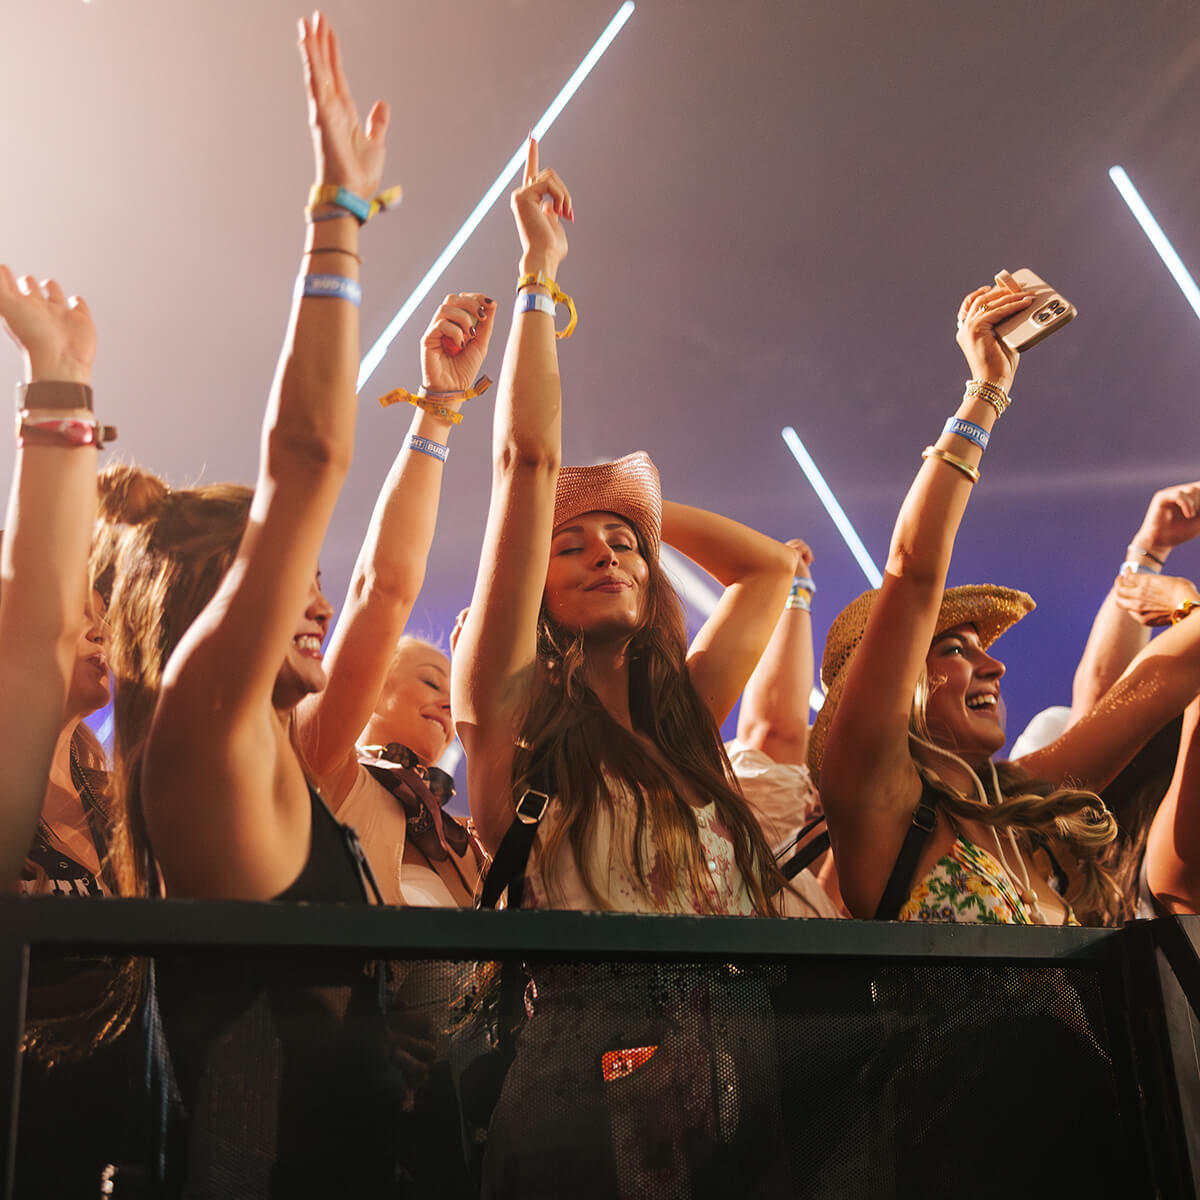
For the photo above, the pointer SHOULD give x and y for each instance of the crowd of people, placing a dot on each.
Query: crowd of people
(250, 763)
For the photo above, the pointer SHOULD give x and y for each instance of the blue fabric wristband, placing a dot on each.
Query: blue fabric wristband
(336, 286)
(967, 429)
(533, 302)
(427, 446)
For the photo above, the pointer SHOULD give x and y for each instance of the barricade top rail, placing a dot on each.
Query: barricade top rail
(159, 924)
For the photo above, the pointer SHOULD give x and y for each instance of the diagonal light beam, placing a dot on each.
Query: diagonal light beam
(374, 356)
(832, 507)
(1158, 239)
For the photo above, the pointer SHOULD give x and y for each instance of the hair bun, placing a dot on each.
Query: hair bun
(130, 495)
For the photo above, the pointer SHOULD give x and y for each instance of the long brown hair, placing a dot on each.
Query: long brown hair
(167, 552)
(1034, 809)
(569, 739)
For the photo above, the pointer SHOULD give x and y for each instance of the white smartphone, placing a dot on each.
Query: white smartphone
(1048, 313)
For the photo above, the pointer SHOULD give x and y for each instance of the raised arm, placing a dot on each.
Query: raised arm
(218, 778)
(869, 786)
(1172, 517)
(1173, 844)
(773, 716)
(51, 510)
(495, 656)
(755, 571)
(1157, 685)
(391, 564)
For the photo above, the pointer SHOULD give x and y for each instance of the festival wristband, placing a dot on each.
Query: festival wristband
(66, 432)
(541, 279)
(802, 583)
(362, 210)
(534, 302)
(426, 446)
(967, 429)
(336, 287)
(434, 402)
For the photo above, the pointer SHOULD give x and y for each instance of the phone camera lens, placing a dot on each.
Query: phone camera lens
(1043, 316)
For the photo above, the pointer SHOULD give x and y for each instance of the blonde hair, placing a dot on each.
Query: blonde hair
(1031, 809)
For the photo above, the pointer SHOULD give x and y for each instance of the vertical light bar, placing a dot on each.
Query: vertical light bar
(832, 507)
(1158, 239)
(374, 356)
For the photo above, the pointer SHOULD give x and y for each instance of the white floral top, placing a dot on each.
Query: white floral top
(611, 865)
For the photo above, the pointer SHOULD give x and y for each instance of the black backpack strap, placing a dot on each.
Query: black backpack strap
(508, 867)
(899, 883)
(806, 855)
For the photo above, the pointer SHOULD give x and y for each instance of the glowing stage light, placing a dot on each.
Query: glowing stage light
(832, 507)
(374, 356)
(1158, 239)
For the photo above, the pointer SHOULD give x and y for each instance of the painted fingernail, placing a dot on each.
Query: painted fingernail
(488, 300)
(481, 311)
(473, 329)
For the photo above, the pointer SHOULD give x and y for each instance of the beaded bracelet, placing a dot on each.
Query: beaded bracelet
(968, 430)
(541, 279)
(426, 446)
(992, 393)
(335, 250)
(336, 287)
(951, 460)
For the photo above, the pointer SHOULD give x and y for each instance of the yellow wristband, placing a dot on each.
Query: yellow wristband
(435, 402)
(541, 279)
(1183, 610)
(362, 210)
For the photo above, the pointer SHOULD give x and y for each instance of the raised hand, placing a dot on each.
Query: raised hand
(804, 555)
(540, 205)
(1172, 518)
(1152, 599)
(55, 334)
(455, 344)
(978, 315)
(346, 153)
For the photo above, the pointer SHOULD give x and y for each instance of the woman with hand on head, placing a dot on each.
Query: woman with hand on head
(372, 737)
(579, 674)
(577, 697)
(924, 825)
(51, 624)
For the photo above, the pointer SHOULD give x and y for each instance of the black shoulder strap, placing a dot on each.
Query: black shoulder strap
(808, 852)
(807, 855)
(508, 867)
(899, 883)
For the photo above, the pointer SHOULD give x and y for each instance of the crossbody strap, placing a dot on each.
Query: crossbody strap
(508, 867)
(900, 882)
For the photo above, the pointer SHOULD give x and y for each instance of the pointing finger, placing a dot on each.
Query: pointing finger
(531, 160)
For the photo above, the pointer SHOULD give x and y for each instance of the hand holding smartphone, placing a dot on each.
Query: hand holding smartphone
(1048, 313)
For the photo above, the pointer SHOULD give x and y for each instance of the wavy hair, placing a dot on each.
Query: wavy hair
(569, 739)
(1033, 809)
(166, 552)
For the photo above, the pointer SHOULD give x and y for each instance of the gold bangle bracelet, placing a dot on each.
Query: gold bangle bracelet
(959, 464)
